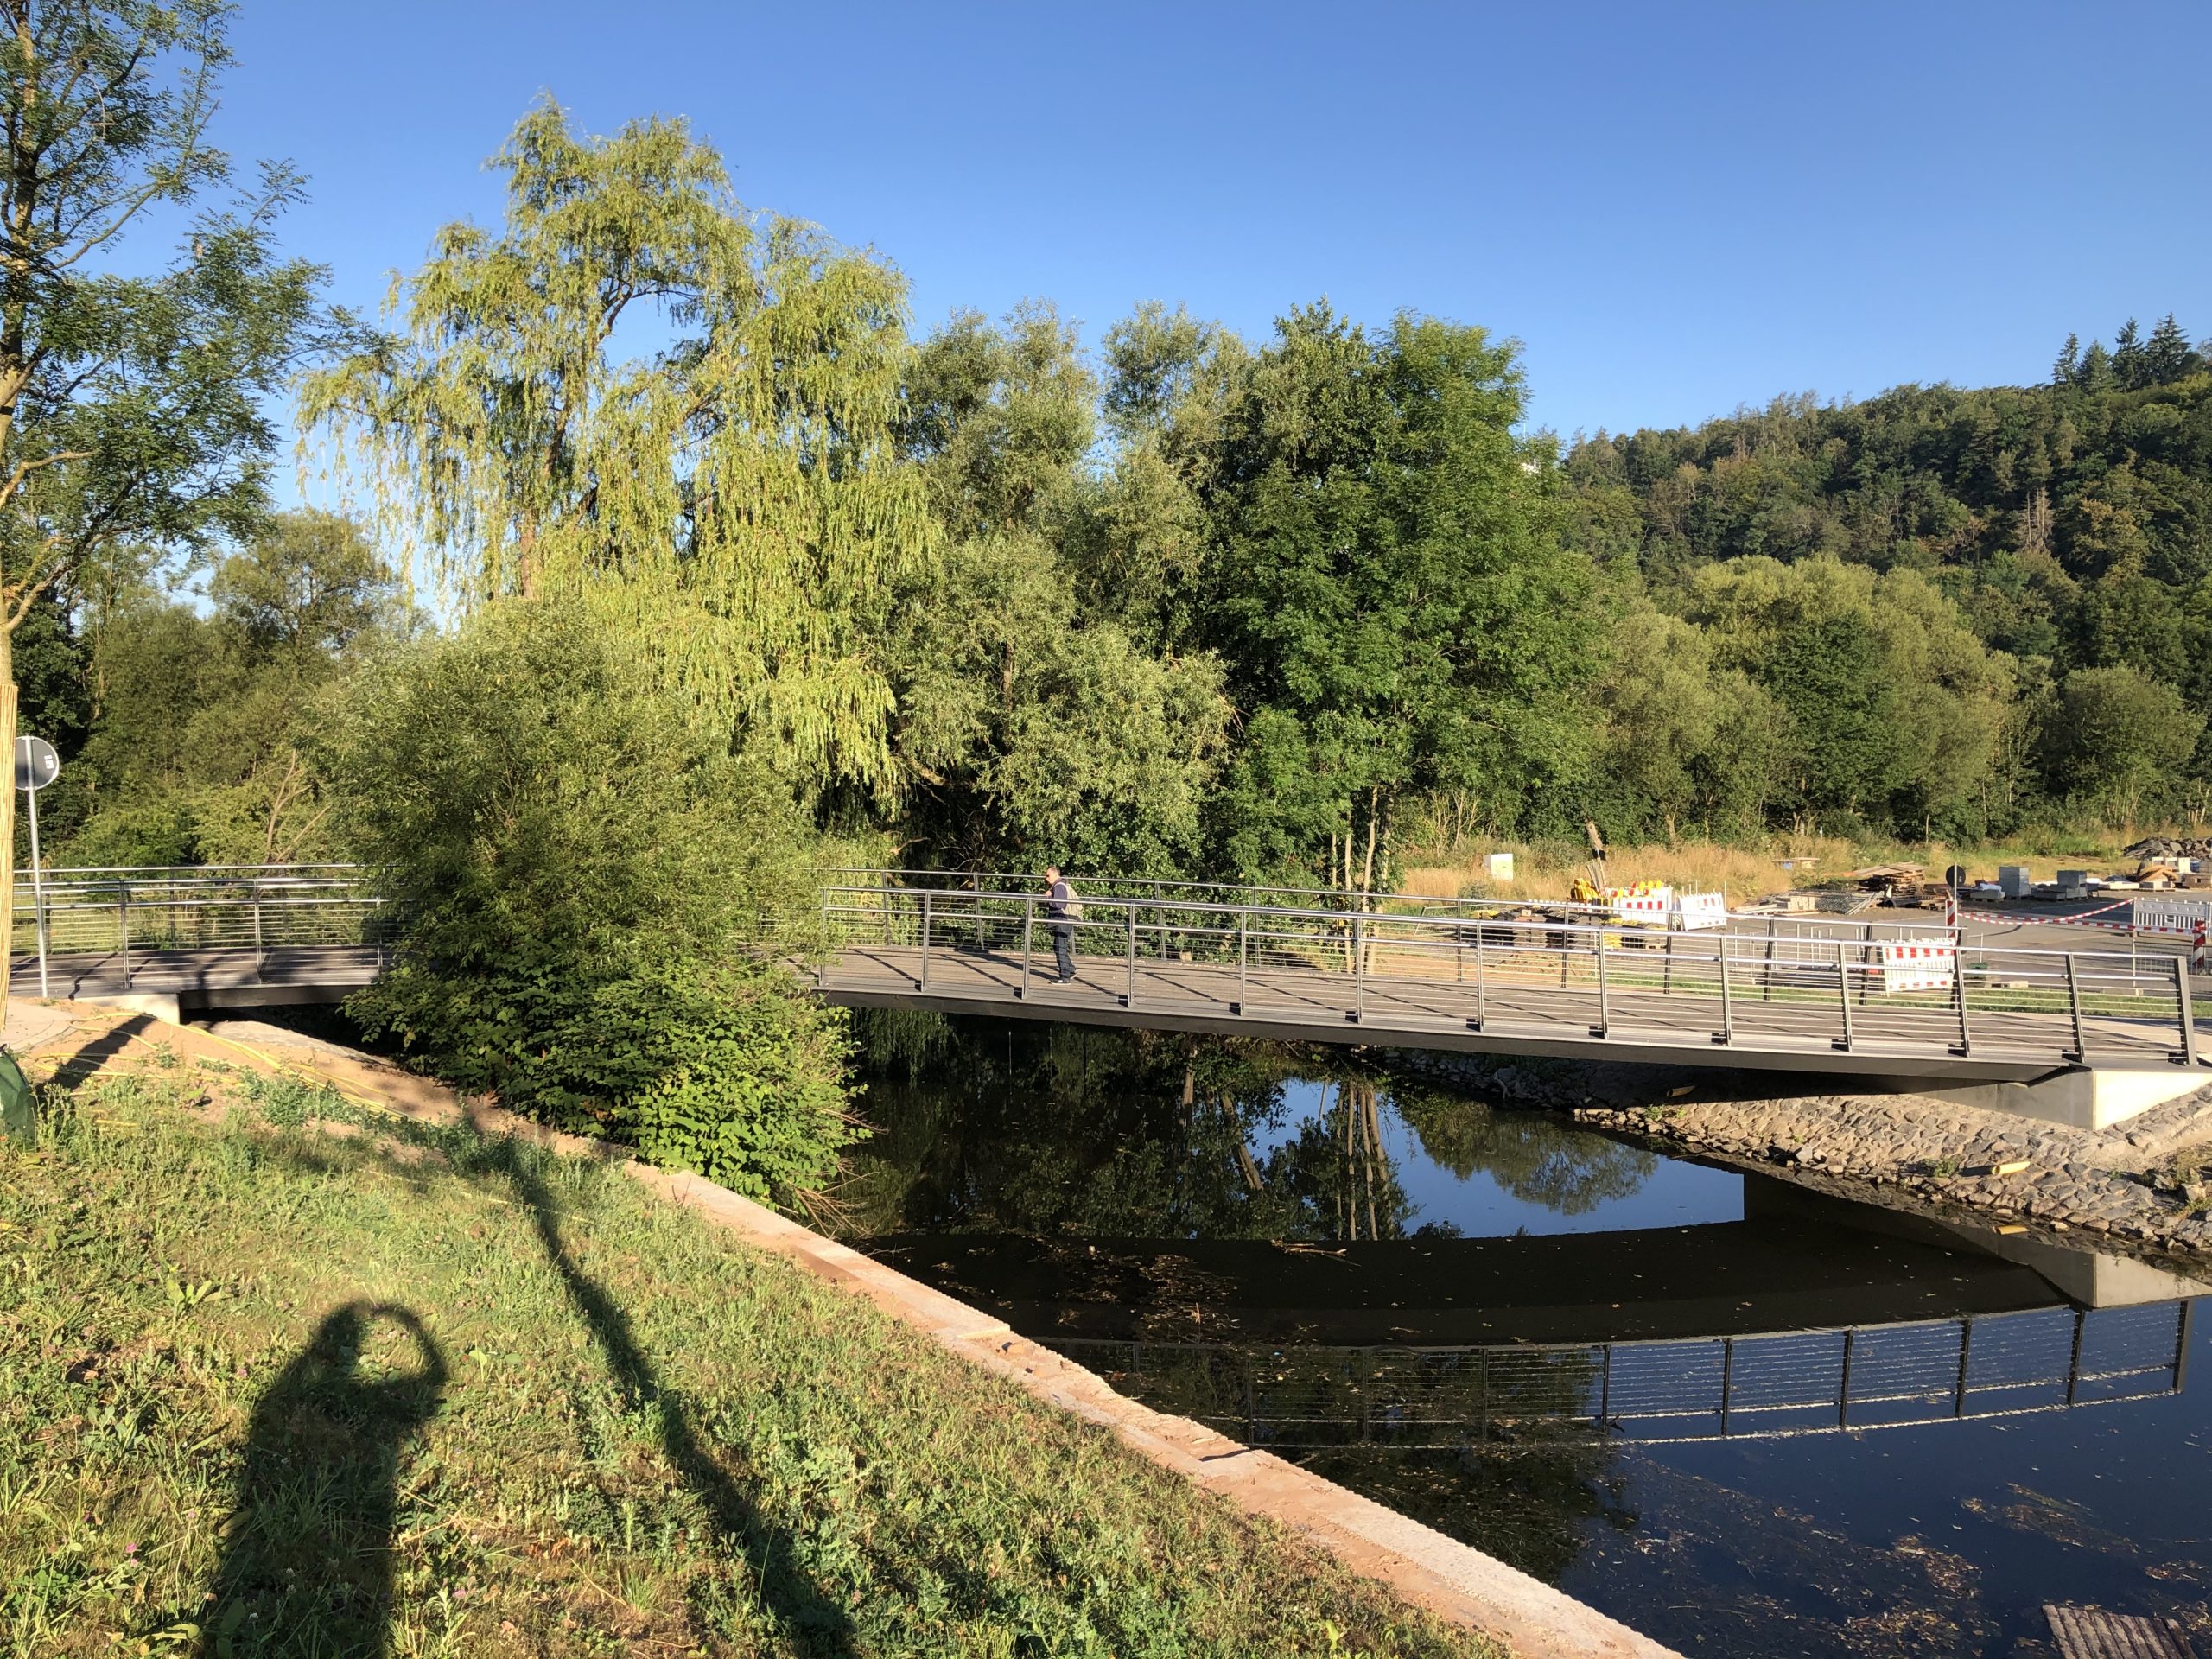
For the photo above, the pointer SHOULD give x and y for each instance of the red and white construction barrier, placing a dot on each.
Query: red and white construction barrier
(1919, 965)
(1695, 913)
(2160, 917)
(1650, 906)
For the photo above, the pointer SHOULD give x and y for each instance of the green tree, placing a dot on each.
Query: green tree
(2117, 740)
(595, 898)
(1034, 725)
(133, 407)
(733, 497)
(200, 749)
(1386, 583)
(1896, 708)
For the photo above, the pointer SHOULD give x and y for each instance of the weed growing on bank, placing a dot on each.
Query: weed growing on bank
(280, 1376)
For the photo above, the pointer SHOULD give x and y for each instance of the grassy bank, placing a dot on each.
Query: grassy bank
(278, 1375)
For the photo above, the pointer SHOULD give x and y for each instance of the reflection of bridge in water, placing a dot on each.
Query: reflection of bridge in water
(1714, 1388)
(1811, 1315)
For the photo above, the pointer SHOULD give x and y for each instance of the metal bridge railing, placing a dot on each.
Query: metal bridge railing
(1714, 1388)
(129, 914)
(1195, 954)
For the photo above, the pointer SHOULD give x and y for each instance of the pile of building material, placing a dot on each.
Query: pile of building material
(2166, 849)
(2173, 861)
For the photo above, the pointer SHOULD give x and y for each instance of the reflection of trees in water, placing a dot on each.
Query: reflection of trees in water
(1071, 1129)
(1339, 1169)
(1532, 1154)
(1066, 1129)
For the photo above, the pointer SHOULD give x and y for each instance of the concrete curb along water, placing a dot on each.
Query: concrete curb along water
(1428, 1568)
(1451, 1579)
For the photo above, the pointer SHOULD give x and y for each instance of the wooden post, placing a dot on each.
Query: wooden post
(8, 832)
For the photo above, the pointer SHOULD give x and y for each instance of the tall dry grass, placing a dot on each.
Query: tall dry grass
(1545, 870)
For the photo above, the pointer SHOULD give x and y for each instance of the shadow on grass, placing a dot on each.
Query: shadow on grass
(307, 1563)
(819, 1624)
(94, 1053)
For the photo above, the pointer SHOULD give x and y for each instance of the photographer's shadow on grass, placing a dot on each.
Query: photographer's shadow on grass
(306, 1560)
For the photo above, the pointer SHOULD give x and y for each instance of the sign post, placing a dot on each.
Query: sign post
(36, 766)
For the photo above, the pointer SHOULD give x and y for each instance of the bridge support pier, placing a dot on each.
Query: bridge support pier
(2078, 1098)
(165, 1006)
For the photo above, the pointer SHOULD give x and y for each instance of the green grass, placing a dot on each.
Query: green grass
(278, 1376)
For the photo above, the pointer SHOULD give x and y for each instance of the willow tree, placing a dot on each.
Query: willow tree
(637, 399)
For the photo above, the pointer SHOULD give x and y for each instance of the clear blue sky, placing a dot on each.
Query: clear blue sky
(1677, 208)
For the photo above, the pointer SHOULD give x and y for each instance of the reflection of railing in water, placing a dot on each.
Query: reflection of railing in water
(1785, 1383)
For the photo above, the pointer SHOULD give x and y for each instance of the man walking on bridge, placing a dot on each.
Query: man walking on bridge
(1063, 910)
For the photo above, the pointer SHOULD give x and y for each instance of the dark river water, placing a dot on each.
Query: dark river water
(1745, 1417)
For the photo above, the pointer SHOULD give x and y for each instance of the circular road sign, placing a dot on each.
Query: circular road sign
(36, 764)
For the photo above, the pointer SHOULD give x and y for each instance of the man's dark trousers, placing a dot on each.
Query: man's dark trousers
(1063, 947)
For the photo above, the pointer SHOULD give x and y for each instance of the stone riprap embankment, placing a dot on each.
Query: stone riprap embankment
(2117, 1182)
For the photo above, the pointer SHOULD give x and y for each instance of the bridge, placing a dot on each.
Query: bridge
(2114, 1027)
(2099, 1032)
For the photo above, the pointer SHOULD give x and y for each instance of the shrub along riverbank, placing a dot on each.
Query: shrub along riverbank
(279, 1375)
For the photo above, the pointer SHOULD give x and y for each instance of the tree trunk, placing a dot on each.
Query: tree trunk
(7, 818)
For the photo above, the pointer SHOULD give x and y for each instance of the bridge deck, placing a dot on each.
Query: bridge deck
(1521, 1008)
(236, 976)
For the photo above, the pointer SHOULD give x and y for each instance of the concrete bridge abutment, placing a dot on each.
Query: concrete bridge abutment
(2078, 1097)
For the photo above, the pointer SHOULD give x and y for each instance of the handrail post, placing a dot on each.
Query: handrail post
(1965, 1357)
(1604, 1026)
(1129, 997)
(1727, 1032)
(1243, 960)
(1028, 922)
(260, 954)
(1843, 994)
(1481, 1012)
(1959, 996)
(2073, 1002)
(122, 915)
(2188, 1013)
(1358, 971)
(1843, 1381)
(922, 984)
(1766, 980)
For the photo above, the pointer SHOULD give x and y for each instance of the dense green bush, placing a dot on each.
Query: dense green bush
(596, 898)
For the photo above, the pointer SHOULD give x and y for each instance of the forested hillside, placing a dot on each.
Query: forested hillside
(1969, 608)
